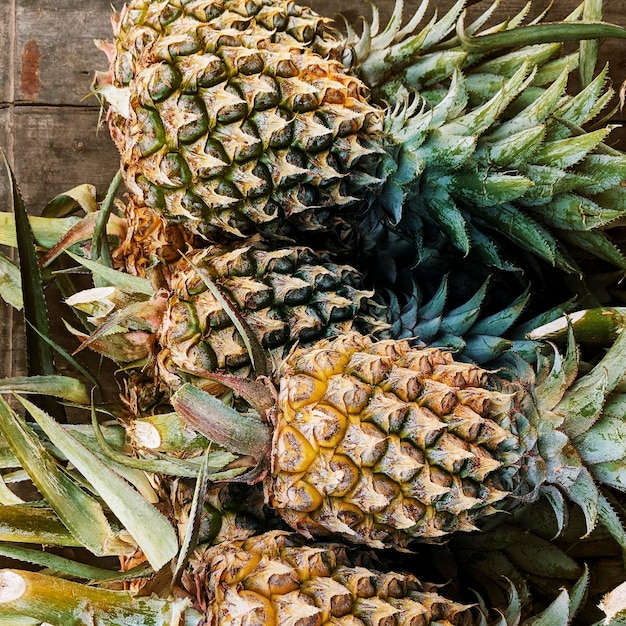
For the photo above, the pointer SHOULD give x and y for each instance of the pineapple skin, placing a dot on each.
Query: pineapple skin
(275, 579)
(381, 444)
(192, 325)
(232, 121)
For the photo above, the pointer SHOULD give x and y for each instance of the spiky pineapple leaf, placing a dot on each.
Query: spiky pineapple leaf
(583, 401)
(63, 387)
(148, 527)
(83, 196)
(444, 212)
(458, 321)
(578, 108)
(522, 230)
(100, 249)
(612, 522)
(592, 12)
(34, 525)
(538, 33)
(564, 153)
(597, 243)
(71, 360)
(79, 512)
(192, 532)
(125, 282)
(39, 354)
(65, 566)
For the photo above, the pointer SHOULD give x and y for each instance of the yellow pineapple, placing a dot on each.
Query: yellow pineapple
(382, 443)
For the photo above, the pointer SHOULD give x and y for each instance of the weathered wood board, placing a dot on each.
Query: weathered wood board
(49, 121)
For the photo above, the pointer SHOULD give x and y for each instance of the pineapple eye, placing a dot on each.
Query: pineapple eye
(152, 195)
(264, 186)
(164, 80)
(152, 137)
(250, 64)
(190, 45)
(194, 108)
(214, 72)
(169, 14)
(176, 171)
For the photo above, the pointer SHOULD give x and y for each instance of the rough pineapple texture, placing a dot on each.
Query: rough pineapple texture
(381, 443)
(273, 579)
(227, 118)
(285, 296)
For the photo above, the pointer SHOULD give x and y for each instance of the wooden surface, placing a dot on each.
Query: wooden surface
(49, 121)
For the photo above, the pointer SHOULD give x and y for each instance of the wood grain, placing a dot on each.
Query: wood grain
(48, 120)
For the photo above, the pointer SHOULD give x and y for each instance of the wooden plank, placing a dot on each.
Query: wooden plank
(55, 50)
(59, 148)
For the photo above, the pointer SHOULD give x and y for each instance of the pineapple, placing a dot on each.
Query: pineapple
(205, 305)
(277, 579)
(271, 579)
(381, 443)
(202, 305)
(233, 118)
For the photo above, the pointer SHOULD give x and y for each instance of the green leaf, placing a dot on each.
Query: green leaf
(78, 511)
(539, 557)
(148, 527)
(536, 112)
(578, 108)
(63, 387)
(604, 441)
(570, 211)
(458, 321)
(584, 400)
(498, 323)
(53, 600)
(238, 433)
(490, 190)
(39, 354)
(61, 564)
(83, 196)
(564, 153)
(612, 522)
(578, 593)
(10, 282)
(556, 614)
(100, 250)
(443, 211)
(190, 540)
(47, 231)
(539, 33)
(592, 12)
(521, 229)
(513, 150)
(125, 282)
(36, 525)
(596, 243)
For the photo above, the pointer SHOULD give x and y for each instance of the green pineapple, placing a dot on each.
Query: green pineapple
(233, 118)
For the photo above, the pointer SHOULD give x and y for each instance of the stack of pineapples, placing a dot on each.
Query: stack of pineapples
(325, 290)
